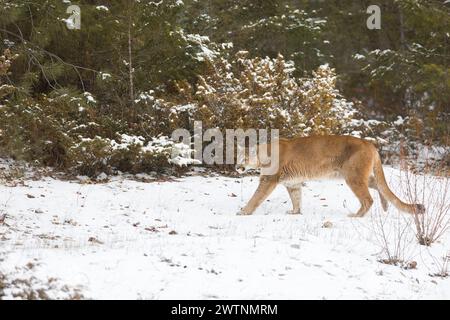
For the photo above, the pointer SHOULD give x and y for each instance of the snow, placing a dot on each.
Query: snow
(105, 75)
(359, 56)
(182, 239)
(145, 96)
(102, 8)
(89, 97)
(202, 43)
(126, 141)
(400, 121)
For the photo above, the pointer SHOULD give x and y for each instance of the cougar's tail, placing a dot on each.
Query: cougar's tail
(388, 194)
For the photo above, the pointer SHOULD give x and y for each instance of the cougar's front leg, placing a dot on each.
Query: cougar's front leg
(266, 185)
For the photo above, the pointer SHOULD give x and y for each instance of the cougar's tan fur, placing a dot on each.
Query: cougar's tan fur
(326, 157)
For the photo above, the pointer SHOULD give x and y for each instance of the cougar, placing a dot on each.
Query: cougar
(355, 160)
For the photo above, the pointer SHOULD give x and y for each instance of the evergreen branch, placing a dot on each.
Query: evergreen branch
(51, 54)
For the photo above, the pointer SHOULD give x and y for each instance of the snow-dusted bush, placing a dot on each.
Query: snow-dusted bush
(128, 153)
(133, 154)
(247, 92)
(408, 143)
(424, 92)
(325, 110)
(66, 130)
(90, 157)
(43, 129)
(176, 153)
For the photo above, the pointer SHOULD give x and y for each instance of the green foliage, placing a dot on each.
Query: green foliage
(90, 157)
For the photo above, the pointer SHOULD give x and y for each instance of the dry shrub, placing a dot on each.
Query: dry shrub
(432, 188)
(441, 266)
(393, 234)
(253, 92)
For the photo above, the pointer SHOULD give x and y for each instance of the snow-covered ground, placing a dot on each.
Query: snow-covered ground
(183, 240)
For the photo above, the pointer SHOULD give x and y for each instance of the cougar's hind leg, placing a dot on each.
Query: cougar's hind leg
(266, 185)
(357, 173)
(373, 185)
(361, 191)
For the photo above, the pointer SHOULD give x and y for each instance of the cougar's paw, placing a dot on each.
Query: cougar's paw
(243, 212)
(419, 208)
(294, 211)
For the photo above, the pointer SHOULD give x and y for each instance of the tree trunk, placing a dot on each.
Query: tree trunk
(130, 60)
(402, 29)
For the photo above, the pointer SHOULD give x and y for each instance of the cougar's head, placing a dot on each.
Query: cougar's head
(263, 156)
